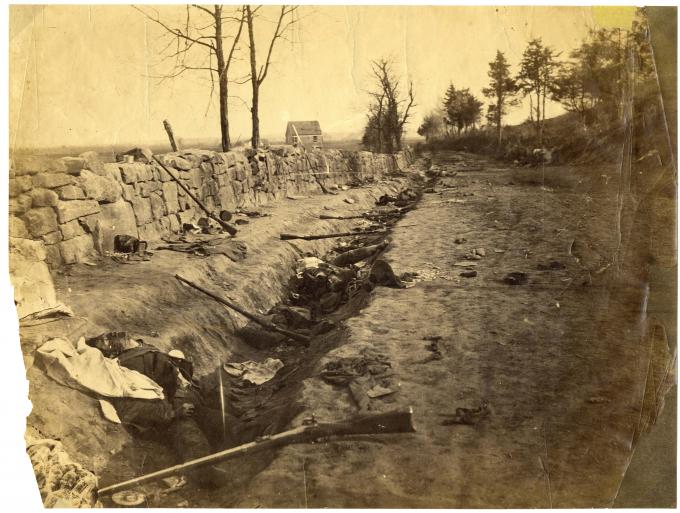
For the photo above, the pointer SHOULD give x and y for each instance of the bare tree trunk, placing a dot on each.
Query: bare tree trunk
(254, 81)
(222, 80)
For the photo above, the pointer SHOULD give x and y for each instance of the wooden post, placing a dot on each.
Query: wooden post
(171, 136)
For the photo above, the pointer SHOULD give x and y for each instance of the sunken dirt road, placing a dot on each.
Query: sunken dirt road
(572, 365)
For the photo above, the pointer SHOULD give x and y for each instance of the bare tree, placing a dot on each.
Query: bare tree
(388, 114)
(286, 18)
(199, 45)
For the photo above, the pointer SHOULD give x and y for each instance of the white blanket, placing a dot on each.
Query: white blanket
(86, 368)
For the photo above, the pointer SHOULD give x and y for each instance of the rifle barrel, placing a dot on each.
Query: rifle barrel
(391, 422)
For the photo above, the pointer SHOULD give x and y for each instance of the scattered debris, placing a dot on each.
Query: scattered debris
(598, 400)
(460, 240)
(128, 499)
(468, 274)
(62, 482)
(553, 265)
(379, 391)
(516, 278)
(433, 346)
(206, 245)
(254, 372)
(468, 416)
(465, 263)
(350, 201)
(342, 371)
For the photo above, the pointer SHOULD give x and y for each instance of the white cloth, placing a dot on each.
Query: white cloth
(86, 368)
(255, 372)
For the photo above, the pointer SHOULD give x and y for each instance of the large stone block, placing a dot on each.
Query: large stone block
(52, 237)
(227, 198)
(29, 249)
(207, 168)
(31, 279)
(170, 197)
(69, 210)
(78, 249)
(93, 162)
(175, 225)
(35, 164)
(229, 158)
(129, 192)
(44, 198)
(146, 173)
(165, 224)
(163, 175)
(177, 162)
(53, 256)
(157, 206)
(17, 228)
(112, 171)
(71, 229)
(19, 185)
(187, 216)
(40, 221)
(130, 173)
(20, 205)
(114, 219)
(52, 180)
(142, 209)
(74, 165)
(241, 172)
(195, 177)
(100, 188)
(144, 189)
(148, 232)
(70, 192)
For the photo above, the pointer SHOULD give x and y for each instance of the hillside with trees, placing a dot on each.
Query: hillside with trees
(608, 78)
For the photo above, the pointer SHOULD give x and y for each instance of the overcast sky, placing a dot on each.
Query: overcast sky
(83, 75)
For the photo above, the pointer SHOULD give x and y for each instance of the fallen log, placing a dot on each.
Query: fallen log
(383, 423)
(229, 228)
(290, 236)
(256, 319)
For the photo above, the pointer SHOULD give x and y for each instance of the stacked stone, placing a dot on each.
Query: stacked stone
(58, 203)
(76, 205)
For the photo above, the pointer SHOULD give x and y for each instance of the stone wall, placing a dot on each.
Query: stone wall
(75, 205)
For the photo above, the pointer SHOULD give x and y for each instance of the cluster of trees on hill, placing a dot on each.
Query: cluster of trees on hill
(593, 82)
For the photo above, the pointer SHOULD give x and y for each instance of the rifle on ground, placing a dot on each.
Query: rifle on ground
(290, 236)
(341, 218)
(382, 423)
(256, 319)
(229, 228)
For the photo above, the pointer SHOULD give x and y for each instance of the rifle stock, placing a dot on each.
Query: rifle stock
(382, 423)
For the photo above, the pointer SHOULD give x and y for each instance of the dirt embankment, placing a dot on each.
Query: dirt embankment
(145, 299)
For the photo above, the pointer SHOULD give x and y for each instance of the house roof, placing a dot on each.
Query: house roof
(305, 127)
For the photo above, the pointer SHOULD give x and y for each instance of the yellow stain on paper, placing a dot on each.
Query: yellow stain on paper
(613, 16)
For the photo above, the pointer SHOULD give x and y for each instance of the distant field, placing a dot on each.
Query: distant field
(107, 153)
